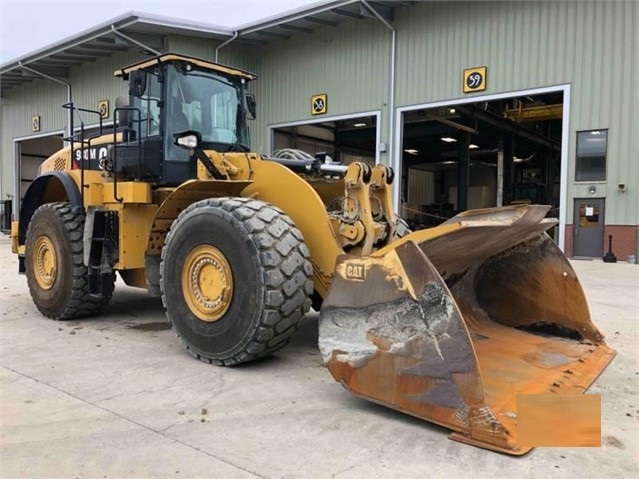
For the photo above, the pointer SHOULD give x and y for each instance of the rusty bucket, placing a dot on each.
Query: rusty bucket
(452, 323)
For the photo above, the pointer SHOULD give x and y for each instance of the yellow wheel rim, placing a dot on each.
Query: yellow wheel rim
(207, 283)
(45, 262)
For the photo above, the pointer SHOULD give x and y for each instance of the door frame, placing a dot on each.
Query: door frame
(575, 224)
(15, 206)
(396, 160)
(270, 137)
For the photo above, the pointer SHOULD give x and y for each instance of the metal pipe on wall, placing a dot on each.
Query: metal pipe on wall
(222, 45)
(67, 84)
(391, 93)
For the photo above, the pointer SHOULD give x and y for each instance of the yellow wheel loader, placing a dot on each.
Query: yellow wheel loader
(448, 324)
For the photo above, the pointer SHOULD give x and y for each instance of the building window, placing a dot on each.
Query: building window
(592, 148)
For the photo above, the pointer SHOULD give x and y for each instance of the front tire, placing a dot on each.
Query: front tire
(56, 275)
(235, 279)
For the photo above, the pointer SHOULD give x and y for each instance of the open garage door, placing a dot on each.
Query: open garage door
(31, 152)
(461, 156)
(344, 139)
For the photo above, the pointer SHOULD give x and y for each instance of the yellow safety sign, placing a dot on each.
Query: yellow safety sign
(103, 108)
(474, 79)
(319, 104)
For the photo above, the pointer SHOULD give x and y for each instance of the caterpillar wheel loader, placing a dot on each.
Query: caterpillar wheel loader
(448, 324)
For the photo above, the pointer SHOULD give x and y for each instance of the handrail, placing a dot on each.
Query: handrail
(85, 145)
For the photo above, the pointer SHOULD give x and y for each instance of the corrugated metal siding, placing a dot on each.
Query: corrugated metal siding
(91, 82)
(233, 54)
(593, 46)
(95, 81)
(242, 56)
(196, 47)
(349, 63)
(19, 105)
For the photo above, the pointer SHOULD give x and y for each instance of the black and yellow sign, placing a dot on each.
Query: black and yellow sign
(474, 79)
(35, 123)
(318, 104)
(103, 108)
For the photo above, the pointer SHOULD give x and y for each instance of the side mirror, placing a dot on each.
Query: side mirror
(189, 140)
(251, 106)
(137, 83)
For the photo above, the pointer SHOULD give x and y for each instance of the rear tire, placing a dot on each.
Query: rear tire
(56, 275)
(235, 279)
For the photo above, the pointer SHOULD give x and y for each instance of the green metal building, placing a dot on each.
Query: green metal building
(475, 104)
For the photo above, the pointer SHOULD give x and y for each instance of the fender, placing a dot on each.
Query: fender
(47, 188)
(178, 200)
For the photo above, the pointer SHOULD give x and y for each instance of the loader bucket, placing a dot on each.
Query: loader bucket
(452, 323)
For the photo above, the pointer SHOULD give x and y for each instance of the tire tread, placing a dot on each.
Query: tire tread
(286, 271)
(81, 304)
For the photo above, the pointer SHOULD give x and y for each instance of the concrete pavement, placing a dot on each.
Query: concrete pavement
(118, 396)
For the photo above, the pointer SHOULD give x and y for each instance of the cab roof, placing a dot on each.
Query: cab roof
(173, 57)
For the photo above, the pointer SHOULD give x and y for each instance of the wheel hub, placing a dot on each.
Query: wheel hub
(207, 283)
(45, 262)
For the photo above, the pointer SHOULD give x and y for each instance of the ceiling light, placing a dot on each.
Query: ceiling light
(411, 151)
(472, 146)
(451, 110)
(517, 160)
(448, 139)
(359, 124)
(449, 162)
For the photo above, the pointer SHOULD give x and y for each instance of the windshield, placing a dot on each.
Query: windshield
(209, 103)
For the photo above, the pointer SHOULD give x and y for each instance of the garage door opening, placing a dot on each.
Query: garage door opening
(30, 153)
(344, 139)
(498, 152)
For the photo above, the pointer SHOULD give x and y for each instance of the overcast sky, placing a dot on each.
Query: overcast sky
(28, 25)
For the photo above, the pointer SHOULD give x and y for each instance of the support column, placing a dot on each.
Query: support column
(500, 175)
(508, 153)
(337, 141)
(463, 170)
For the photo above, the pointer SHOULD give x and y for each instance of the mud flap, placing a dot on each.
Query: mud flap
(453, 339)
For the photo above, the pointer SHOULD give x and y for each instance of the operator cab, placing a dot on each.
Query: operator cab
(172, 94)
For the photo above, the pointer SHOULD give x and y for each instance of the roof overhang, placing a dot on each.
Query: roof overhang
(103, 40)
(310, 18)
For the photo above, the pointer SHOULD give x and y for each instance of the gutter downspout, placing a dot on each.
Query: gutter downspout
(69, 96)
(133, 41)
(222, 45)
(391, 93)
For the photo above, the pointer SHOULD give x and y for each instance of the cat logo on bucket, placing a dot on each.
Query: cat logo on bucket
(355, 271)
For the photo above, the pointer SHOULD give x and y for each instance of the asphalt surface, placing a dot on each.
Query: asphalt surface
(118, 396)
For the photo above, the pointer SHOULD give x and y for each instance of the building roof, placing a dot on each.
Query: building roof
(117, 34)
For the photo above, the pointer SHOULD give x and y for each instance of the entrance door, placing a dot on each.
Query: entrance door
(588, 228)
